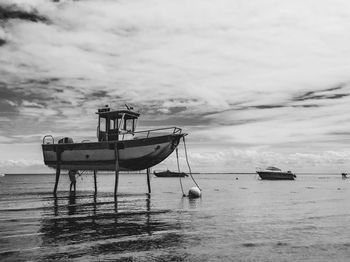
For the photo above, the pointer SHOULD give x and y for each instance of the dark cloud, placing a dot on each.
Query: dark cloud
(176, 121)
(8, 12)
(268, 106)
(170, 110)
(45, 81)
(6, 99)
(282, 106)
(243, 121)
(100, 93)
(340, 86)
(216, 112)
(32, 91)
(307, 96)
(168, 107)
(336, 96)
(315, 96)
(339, 133)
(176, 109)
(58, 90)
(6, 108)
(322, 94)
(306, 106)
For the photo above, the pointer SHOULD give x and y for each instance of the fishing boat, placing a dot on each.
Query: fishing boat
(274, 173)
(169, 173)
(118, 147)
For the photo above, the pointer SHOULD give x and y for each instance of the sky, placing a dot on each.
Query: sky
(254, 83)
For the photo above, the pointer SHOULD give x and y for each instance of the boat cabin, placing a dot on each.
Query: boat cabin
(272, 168)
(111, 124)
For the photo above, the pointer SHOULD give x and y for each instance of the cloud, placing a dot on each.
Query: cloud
(12, 11)
(269, 75)
(21, 162)
(23, 166)
(238, 160)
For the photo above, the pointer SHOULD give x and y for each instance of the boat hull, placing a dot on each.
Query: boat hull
(170, 174)
(133, 155)
(276, 175)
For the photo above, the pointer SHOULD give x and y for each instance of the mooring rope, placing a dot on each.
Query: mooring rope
(81, 173)
(188, 164)
(178, 168)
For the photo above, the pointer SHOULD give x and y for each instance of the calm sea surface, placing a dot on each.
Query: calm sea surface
(242, 219)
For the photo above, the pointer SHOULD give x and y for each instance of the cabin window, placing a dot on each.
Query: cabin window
(111, 124)
(130, 125)
(102, 124)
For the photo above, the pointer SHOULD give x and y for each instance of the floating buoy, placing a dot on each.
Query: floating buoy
(194, 192)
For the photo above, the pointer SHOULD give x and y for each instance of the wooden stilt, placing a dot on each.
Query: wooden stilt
(148, 181)
(116, 183)
(148, 202)
(148, 228)
(116, 170)
(55, 206)
(95, 181)
(58, 170)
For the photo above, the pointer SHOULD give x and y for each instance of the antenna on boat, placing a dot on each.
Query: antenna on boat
(129, 107)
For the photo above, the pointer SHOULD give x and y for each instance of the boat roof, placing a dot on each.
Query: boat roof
(106, 112)
(273, 168)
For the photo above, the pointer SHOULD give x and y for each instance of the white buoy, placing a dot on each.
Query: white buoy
(194, 192)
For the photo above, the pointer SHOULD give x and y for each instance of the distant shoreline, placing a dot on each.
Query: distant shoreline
(139, 173)
(195, 173)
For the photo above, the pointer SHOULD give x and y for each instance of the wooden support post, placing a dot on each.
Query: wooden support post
(116, 169)
(148, 228)
(58, 172)
(148, 181)
(55, 207)
(58, 169)
(95, 181)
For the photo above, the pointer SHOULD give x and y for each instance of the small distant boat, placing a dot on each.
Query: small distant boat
(169, 173)
(274, 173)
(344, 175)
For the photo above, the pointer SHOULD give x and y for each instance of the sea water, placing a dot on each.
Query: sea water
(238, 218)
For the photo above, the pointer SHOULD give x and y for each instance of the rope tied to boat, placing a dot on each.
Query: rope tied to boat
(178, 169)
(188, 165)
(80, 174)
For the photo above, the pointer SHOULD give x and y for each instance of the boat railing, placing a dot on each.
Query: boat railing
(49, 139)
(148, 133)
(45, 138)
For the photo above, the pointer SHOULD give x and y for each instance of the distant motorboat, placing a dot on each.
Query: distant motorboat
(344, 175)
(274, 173)
(169, 173)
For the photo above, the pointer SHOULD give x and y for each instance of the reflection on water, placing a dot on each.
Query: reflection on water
(284, 221)
(190, 203)
(87, 226)
(71, 204)
(84, 226)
